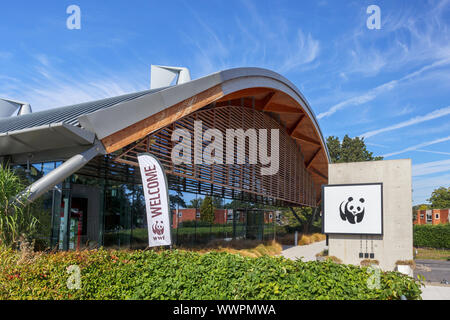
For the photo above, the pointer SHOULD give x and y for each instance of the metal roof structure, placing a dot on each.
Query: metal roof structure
(68, 114)
(109, 125)
(54, 133)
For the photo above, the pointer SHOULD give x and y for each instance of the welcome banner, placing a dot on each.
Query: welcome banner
(156, 195)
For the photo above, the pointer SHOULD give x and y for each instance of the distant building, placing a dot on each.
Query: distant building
(221, 216)
(192, 214)
(432, 216)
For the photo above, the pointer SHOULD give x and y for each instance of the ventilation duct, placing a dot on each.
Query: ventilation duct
(8, 107)
(162, 76)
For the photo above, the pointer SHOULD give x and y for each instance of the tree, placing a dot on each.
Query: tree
(177, 199)
(307, 215)
(207, 210)
(440, 198)
(419, 207)
(217, 202)
(350, 150)
(195, 203)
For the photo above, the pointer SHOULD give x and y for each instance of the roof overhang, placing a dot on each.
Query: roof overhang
(62, 139)
(125, 123)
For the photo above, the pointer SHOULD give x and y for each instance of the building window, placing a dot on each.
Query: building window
(437, 215)
(180, 214)
(421, 216)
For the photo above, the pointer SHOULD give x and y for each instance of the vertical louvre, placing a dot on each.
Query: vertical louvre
(292, 185)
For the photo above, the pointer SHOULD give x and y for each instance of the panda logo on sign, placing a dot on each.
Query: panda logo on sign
(352, 210)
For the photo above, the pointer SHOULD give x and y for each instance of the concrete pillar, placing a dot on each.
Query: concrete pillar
(396, 243)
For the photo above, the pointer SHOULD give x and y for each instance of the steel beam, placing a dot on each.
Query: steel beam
(57, 175)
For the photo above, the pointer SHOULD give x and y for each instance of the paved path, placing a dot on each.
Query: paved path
(433, 270)
(436, 292)
(306, 253)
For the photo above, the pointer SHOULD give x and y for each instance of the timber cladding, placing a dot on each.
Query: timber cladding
(308, 156)
(142, 128)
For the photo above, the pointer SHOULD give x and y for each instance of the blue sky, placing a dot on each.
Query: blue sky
(391, 86)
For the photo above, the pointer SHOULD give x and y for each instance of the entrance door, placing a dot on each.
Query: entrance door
(73, 227)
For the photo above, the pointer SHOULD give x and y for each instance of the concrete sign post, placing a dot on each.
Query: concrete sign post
(381, 229)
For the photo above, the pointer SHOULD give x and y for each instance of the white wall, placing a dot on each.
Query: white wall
(397, 241)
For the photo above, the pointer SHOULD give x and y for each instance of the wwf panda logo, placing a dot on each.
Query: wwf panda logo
(352, 210)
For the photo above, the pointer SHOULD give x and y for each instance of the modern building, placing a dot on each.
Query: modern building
(81, 160)
(432, 216)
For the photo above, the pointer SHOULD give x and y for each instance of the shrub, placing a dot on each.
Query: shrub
(432, 236)
(190, 275)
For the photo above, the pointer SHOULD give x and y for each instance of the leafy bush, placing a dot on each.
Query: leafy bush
(190, 275)
(193, 224)
(432, 236)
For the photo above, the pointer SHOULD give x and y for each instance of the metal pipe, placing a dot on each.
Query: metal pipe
(57, 175)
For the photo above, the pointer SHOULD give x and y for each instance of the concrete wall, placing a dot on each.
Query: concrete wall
(397, 241)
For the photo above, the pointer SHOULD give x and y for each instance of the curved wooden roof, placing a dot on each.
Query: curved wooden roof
(266, 91)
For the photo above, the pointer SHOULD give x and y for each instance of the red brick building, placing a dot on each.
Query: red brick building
(432, 216)
(221, 216)
(191, 214)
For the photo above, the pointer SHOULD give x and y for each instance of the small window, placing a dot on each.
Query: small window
(421, 216)
(180, 214)
(197, 215)
(437, 215)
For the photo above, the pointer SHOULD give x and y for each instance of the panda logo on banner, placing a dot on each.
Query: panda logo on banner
(353, 209)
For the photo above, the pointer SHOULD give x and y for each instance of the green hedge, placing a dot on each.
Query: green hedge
(189, 275)
(437, 236)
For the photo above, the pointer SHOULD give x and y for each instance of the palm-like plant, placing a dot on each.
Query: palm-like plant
(16, 219)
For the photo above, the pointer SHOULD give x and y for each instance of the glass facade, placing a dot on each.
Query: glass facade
(87, 212)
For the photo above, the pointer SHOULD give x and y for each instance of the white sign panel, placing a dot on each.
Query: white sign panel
(353, 209)
(154, 183)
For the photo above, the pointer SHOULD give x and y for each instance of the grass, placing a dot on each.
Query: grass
(246, 248)
(432, 254)
(303, 239)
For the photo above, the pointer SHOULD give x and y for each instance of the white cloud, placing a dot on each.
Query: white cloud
(376, 145)
(429, 116)
(4, 55)
(304, 51)
(385, 87)
(49, 85)
(418, 146)
(423, 187)
(267, 42)
(436, 152)
(431, 167)
(431, 183)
